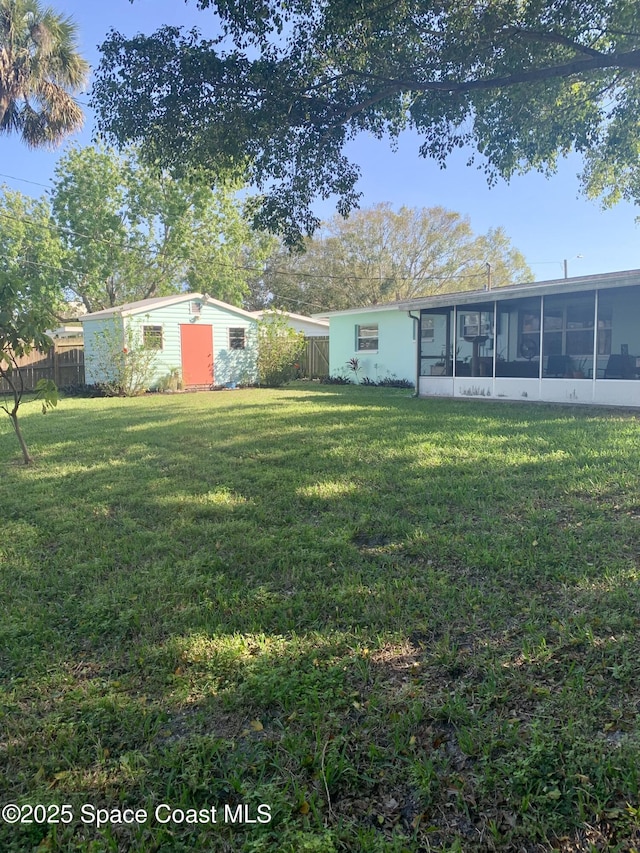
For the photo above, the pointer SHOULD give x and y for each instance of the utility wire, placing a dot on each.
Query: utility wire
(236, 267)
(25, 181)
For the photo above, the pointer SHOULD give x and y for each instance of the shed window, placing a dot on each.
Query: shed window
(236, 339)
(152, 337)
(195, 308)
(367, 337)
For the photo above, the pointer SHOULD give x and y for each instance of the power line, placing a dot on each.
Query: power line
(262, 270)
(154, 254)
(25, 181)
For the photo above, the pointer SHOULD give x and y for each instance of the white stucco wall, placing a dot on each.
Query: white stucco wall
(310, 328)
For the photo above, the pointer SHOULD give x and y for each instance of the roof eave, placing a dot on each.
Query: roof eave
(535, 288)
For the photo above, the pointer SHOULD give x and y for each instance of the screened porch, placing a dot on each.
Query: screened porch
(590, 338)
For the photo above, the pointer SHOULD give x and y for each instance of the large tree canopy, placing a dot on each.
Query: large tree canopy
(379, 254)
(286, 86)
(130, 232)
(40, 71)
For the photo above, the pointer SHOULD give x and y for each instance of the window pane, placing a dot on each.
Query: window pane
(474, 345)
(236, 338)
(552, 320)
(367, 337)
(435, 347)
(580, 316)
(427, 327)
(579, 343)
(152, 337)
(553, 343)
(567, 345)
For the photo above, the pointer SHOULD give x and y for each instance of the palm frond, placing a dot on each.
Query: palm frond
(40, 71)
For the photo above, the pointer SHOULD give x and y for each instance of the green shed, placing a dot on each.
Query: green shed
(208, 342)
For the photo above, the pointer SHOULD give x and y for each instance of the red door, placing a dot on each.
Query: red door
(196, 343)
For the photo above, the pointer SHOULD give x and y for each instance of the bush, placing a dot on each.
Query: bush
(127, 363)
(392, 382)
(387, 382)
(279, 348)
(81, 389)
(335, 380)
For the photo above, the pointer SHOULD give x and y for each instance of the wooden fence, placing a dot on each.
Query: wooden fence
(64, 363)
(314, 362)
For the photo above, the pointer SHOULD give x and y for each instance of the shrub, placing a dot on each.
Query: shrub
(335, 380)
(387, 382)
(172, 381)
(279, 348)
(81, 389)
(127, 364)
(392, 382)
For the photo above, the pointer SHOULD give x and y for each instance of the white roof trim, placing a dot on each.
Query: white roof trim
(388, 306)
(305, 318)
(625, 278)
(143, 306)
(511, 291)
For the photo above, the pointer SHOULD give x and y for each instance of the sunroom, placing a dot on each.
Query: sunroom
(569, 340)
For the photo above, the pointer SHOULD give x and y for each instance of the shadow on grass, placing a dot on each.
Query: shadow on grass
(383, 584)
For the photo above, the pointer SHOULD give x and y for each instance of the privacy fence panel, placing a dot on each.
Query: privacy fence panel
(315, 359)
(64, 363)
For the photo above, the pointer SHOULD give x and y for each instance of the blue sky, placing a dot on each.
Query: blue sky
(547, 219)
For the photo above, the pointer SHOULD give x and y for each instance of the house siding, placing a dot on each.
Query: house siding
(396, 353)
(230, 365)
(98, 337)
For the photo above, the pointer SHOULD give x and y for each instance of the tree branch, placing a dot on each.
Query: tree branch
(552, 38)
(630, 60)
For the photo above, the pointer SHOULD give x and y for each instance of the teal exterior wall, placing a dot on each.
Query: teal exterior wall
(396, 354)
(100, 336)
(230, 365)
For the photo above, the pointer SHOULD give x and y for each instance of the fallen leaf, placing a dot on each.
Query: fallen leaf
(256, 726)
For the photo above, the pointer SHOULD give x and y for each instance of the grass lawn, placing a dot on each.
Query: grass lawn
(386, 624)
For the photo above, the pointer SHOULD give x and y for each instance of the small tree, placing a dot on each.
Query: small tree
(128, 366)
(279, 347)
(29, 296)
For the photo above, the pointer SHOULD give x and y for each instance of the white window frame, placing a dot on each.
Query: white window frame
(237, 329)
(361, 338)
(156, 333)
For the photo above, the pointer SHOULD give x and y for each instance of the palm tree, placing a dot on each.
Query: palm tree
(40, 70)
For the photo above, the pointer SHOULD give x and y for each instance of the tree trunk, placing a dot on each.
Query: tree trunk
(25, 450)
(4, 106)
